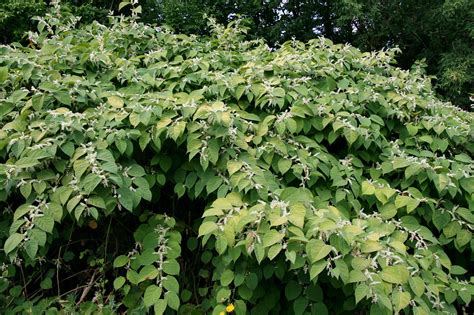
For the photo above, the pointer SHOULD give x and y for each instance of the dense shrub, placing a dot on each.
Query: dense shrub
(140, 169)
(15, 18)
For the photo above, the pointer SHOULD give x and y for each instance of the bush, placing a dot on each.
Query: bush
(15, 18)
(143, 170)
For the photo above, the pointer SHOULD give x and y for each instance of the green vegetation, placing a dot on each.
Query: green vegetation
(440, 33)
(144, 170)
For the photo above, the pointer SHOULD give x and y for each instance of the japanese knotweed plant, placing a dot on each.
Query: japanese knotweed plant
(333, 182)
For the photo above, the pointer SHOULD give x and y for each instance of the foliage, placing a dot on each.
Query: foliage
(15, 17)
(142, 169)
(439, 32)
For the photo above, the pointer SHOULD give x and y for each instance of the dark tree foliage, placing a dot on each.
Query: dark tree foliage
(17, 16)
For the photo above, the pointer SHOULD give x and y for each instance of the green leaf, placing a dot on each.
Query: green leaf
(297, 214)
(226, 277)
(351, 136)
(272, 237)
(64, 194)
(400, 300)
(395, 274)
(412, 129)
(234, 166)
(294, 195)
(26, 162)
(450, 295)
(115, 101)
(463, 237)
(176, 130)
(317, 250)
(466, 214)
(213, 183)
(458, 270)
(274, 250)
(171, 284)
(39, 186)
(96, 201)
(383, 194)
(466, 296)
(284, 165)
(452, 229)
(412, 170)
(80, 166)
(68, 148)
(12, 242)
(361, 292)
(25, 190)
(119, 282)
(441, 181)
(21, 211)
(120, 261)
(467, 184)
(90, 182)
(63, 97)
(31, 248)
(360, 263)
(319, 309)
(159, 307)
(370, 246)
(3, 74)
(417, 285)
(441, 219)
(399, 162)
(72, 203)
(356, 276)
(292, 290)
(251, 281)
(46, 283)
(148, 272)
(222, 295)
(300, 305)
(39, 236)
(186, 295)
(207, 227)
(417, 310)
(410, 203)
(123, 4)
(317, 268)
(171, 267)
(6, 108)
(259, 252)
(126, 198)
(152, 295)
(367, 188)
(239, 91)
(55, 211)
(172, 299)
(46, 223)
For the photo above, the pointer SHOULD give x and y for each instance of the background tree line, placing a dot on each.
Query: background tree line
(440, 32)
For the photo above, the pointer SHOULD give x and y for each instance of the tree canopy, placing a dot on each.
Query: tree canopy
(142, 169)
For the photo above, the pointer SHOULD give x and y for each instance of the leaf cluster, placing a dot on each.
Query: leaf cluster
(324, 170)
